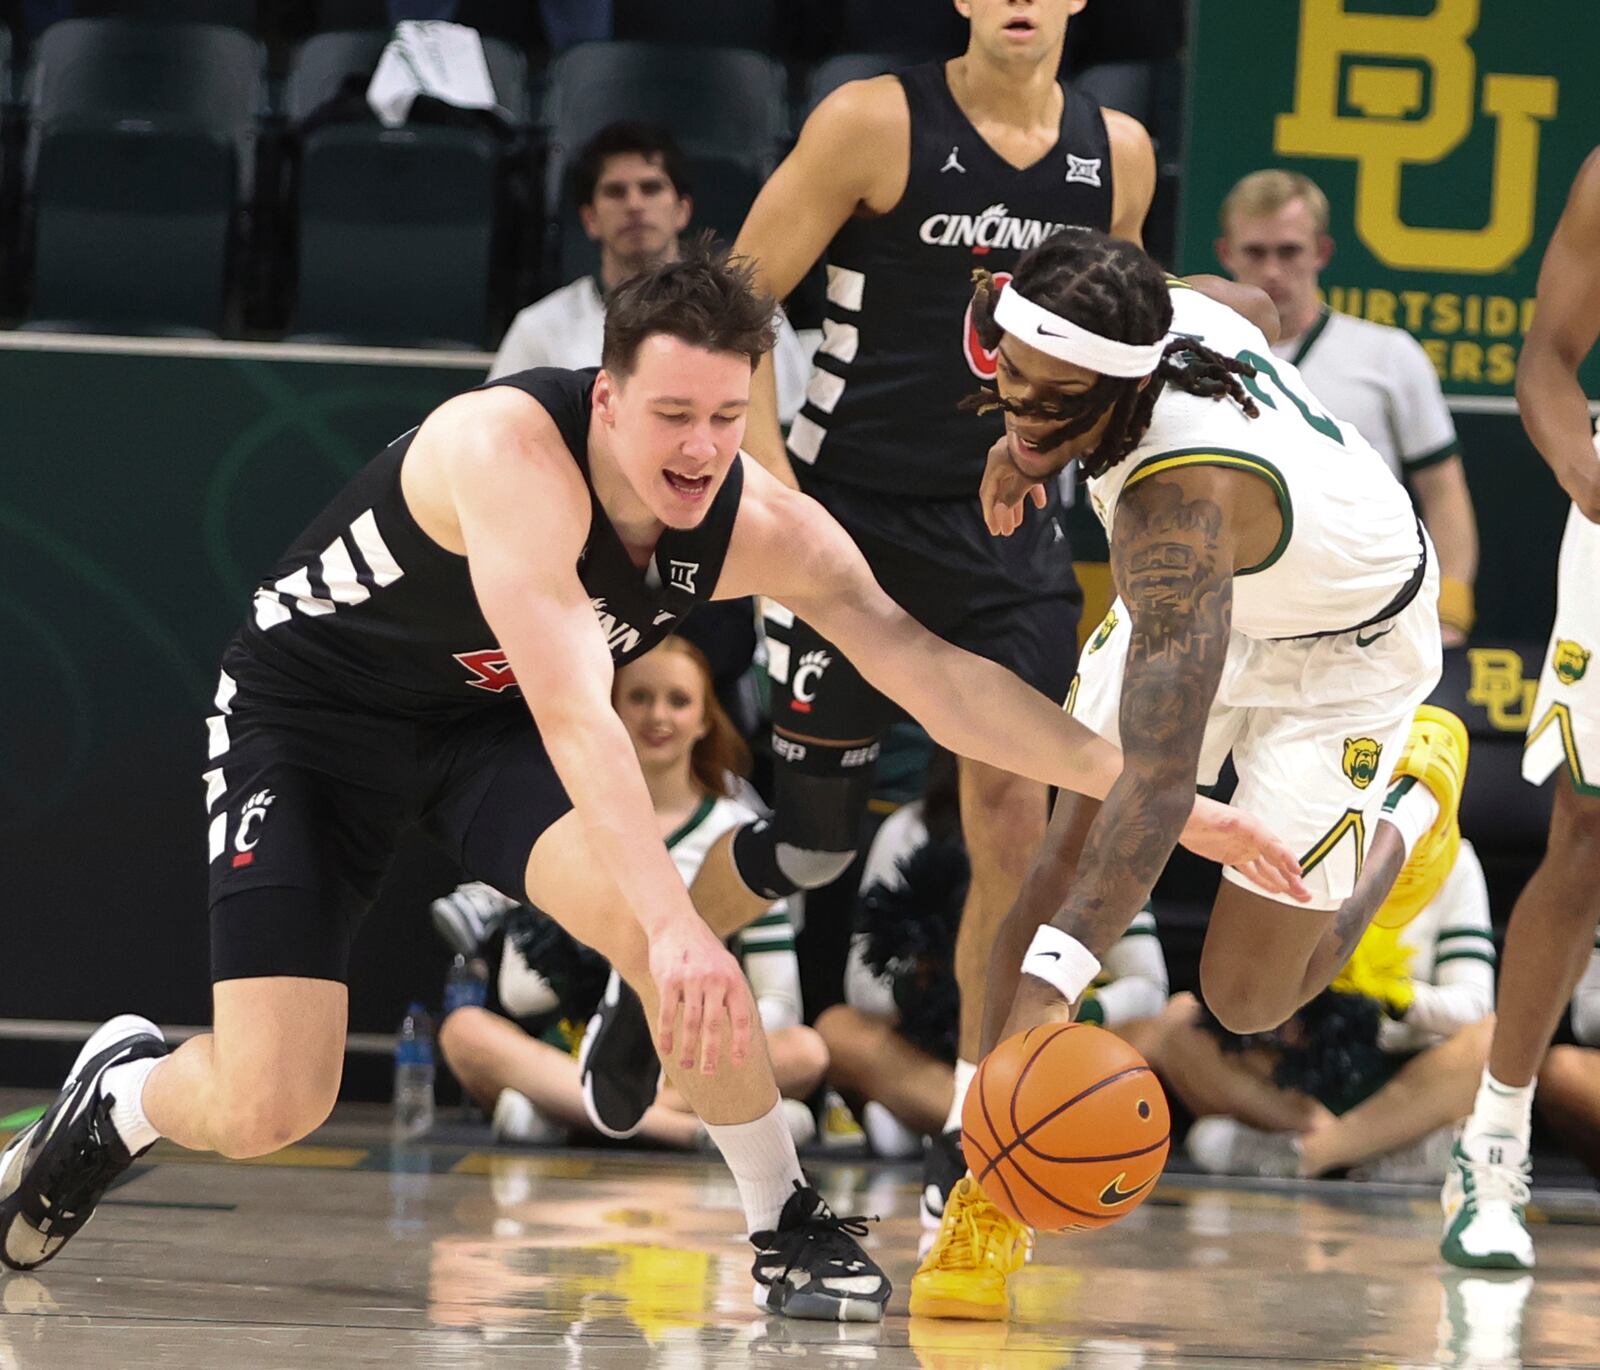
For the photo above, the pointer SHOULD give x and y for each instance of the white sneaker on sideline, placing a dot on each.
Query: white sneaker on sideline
(1225, 1146)
(517, 1119)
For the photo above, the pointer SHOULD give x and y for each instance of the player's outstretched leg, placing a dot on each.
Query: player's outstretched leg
(1548, 943)
(55, 1172)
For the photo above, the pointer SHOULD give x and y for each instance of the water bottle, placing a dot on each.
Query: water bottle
(413, 1074)
(467, 984)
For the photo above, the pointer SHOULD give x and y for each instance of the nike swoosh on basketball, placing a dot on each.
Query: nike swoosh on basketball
(1114, 1194)
(1368, 641)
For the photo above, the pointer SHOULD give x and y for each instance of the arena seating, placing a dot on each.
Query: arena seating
(725, 106)
(396, 229)
(238, 14)
(139, 164)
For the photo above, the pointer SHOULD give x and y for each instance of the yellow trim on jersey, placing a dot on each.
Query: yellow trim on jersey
(1353, 821)
(1237, 461)
(1561, 715)
(1072, 695)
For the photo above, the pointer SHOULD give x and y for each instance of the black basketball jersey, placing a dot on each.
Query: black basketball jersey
(898, 348)
(366, 608)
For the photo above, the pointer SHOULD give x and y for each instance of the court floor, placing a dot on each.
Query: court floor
(346, 1251)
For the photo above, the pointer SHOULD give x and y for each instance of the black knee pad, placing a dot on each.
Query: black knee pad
(809, 841)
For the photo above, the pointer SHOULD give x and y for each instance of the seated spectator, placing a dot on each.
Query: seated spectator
(892, 1044)
(1371, 1076)
(1568, 1096)
(632, 184)
(517, 1062)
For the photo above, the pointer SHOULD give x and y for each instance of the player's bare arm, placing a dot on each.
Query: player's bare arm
(1566, 323)
(1446, 503)
(787, 546)
(852, 158)
(1133, 181)
(522, 513)
(1172, 559)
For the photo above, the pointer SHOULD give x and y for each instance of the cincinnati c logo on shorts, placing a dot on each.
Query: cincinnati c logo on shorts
(804, 687)
(1108, 625)
(250, 821)
(1571, 661)
(1360, 762)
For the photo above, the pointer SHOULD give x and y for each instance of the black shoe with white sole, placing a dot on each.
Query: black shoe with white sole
(811, 1266)
(943, 1165)
(54, 1173)
(617, 1062)
(470, 915)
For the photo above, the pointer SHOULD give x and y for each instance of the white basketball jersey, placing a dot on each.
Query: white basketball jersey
(1350, 539)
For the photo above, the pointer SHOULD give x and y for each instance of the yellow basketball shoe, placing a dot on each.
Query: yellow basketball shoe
(965, 1271)
(1436, 755)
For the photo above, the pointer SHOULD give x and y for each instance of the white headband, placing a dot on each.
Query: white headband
(1069, 342)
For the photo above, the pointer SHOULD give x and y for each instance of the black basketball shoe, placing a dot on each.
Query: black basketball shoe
(943, 1165)
(54, 1173)
(811, 1265)
(617, 1063)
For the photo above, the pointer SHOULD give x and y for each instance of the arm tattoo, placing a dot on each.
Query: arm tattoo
(1177, 582)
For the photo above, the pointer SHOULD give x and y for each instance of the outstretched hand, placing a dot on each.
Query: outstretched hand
(1231, 837)
(697, 977)
(1005, 492)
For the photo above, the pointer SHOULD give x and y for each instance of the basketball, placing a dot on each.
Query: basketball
(1065, 1127)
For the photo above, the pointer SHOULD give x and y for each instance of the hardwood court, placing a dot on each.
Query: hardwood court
(346, 1252)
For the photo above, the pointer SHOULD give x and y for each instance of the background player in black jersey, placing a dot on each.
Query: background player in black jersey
(907, 183)
(527, 537)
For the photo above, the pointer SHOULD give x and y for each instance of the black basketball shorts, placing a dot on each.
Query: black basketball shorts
(307, 799)
(1013, 600)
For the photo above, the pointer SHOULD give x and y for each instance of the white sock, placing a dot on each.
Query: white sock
(965, 1070)
(1413, 814)
(762, 1158)
(1499, 1111)
(125, 1085)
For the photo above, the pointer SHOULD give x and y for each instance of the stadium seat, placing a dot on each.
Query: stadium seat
(717, 101)
(139, 158)
(324, 64)
(851, 66)
(1126, 86)
(238, 14)
(753, 24)
(511, 21)
(398, 230)
(725, 106)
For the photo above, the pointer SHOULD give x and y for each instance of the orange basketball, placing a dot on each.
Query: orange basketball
(1065, 1127)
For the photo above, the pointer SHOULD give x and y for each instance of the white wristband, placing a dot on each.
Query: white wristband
(1061, 960)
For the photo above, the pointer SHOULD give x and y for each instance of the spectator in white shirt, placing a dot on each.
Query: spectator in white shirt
(1374, 377)
(634, 200)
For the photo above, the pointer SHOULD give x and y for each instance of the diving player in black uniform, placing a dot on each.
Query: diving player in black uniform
(438, 649)
(907, 183)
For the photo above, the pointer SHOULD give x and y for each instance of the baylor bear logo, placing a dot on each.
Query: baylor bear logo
(1361, 760)
(1108, 625)
(1571, 661)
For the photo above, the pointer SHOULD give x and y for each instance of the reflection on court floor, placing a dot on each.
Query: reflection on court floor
(348, 1252)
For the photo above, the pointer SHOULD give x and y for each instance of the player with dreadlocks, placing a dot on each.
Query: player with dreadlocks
(1276, 601)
